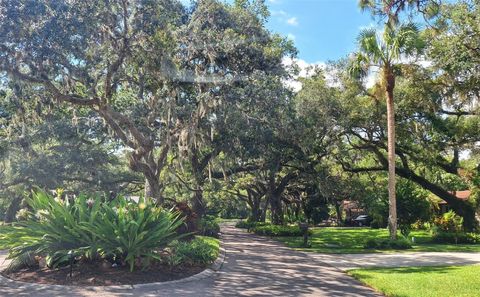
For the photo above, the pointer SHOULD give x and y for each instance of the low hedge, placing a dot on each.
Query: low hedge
(388, 244)
(246, 224)
(450, 237)
(278, 230)
(209, 227)
(267, 229)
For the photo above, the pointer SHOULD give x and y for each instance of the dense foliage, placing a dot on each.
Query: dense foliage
(120, 230)
(192, 107)
(209, 226)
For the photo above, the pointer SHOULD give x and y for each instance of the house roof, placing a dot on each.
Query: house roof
(462, 195)
(348, 204)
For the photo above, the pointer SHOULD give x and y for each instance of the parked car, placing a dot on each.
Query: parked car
(362, 220)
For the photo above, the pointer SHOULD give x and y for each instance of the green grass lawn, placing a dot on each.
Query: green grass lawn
(422, 281)
(351, 240)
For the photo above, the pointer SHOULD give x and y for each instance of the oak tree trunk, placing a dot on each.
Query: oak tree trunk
(12, 209)
(198, 204)
(277, 210)
(153, 190)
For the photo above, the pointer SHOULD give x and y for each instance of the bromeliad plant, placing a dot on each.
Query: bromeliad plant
(134, 231)
(126, 231)
(51, 228)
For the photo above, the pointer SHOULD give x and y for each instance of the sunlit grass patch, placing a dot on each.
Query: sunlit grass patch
(422, 281)
(352, 240)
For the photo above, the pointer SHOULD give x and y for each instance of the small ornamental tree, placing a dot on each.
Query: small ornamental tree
(412, 206)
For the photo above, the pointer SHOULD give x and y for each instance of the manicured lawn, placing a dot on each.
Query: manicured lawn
(422, 281)
(351, 240)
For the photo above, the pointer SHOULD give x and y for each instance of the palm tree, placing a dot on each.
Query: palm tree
(385, 52)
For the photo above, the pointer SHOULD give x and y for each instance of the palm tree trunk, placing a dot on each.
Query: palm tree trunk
(392, 200)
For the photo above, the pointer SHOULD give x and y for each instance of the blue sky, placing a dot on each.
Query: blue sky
(323, 30)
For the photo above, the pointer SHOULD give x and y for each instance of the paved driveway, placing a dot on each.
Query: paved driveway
(254, 266)
(351, 261)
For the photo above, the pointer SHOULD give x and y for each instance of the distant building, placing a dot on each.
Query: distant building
(352, 209)
(462, 195)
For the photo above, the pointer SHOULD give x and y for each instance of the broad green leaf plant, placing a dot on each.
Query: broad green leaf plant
(130, 232)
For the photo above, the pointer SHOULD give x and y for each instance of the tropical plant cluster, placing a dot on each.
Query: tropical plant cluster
(448, 229)
(209, 226)
(120, 231)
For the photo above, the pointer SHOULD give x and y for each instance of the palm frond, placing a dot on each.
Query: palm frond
(368, 42)
(405, 40)
(359, 66)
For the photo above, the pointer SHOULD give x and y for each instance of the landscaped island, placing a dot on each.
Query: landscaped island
(94, 241)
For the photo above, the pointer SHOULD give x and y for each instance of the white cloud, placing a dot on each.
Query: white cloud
(292, 21)
(273, 1)
(305, 70)
(291, 36)
(284, 17)
(371, 78)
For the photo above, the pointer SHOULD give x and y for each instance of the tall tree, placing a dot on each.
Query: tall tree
(240, 63)
(154, 72)
(391, 9)
(385, 52)
(97, 55)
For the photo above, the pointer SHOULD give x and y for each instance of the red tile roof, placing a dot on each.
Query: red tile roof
(462, 195)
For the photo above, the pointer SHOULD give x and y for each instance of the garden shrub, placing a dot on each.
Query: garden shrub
(246, 224)
(405, 229)
(209, 227)
(375, 225)
(456, 238)
(377, 222)
(387, 244)
(131, 231)
(448, 229)
(278, 230)
(91, 228)
(449, 222)
(198, 251)
(190, 219)
(316, 209)
(420, 225)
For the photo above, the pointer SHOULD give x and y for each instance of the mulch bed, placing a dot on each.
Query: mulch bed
(96, 274)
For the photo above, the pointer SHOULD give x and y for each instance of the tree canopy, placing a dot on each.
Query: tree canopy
(193, 103)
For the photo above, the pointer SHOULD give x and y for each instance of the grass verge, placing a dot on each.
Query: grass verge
(351, 240)
(459, 281)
